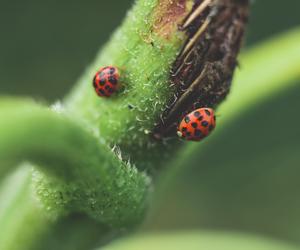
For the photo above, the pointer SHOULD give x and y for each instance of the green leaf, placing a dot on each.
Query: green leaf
(194, 240)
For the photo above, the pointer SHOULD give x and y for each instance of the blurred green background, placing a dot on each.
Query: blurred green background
(247, 179)
(45, 45)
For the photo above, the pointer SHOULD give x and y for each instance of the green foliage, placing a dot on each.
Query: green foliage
(194, 240)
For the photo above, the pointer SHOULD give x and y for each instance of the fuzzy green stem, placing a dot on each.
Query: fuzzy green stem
(81, 174)
(22, 216)
(144, 57)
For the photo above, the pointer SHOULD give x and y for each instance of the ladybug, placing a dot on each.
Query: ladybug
(106, 81)
(197, 125)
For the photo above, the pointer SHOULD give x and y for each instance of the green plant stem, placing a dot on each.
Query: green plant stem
(82, 174)
(22, 215)
(19, 214)
(145, 58)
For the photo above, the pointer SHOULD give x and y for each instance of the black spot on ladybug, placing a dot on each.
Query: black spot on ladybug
(211, 127)
(207, 112)
(107, 87)
(112, 71)
(204, 123)
(102, 81)
(187, 119)
(102, 91)
(194, 124)
(184, 129)
(198, 133)
(112, 80)
(197, 114)
(200, 118)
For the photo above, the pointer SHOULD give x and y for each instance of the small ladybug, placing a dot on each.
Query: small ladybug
(106, 81)
(197, 125)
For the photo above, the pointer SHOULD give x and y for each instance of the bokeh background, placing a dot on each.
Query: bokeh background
(45, 45)
(247, 179)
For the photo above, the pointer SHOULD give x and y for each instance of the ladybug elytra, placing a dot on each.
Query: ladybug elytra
(106, 81)
(197, 125)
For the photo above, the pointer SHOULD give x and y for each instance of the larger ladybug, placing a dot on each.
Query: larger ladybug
(197, 125)
(106, 81)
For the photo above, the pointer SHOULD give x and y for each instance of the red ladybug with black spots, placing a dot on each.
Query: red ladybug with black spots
(197, 125)
(106, 81)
